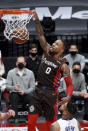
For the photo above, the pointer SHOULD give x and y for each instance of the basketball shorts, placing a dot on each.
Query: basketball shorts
(42, 102)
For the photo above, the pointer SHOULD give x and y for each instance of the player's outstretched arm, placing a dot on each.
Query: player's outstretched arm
(55, 127)
(67, 78)
(39, 30)
(68, 81)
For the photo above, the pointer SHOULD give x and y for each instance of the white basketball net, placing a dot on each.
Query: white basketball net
(15, 21)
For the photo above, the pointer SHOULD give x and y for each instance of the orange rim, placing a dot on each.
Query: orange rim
(15, 11)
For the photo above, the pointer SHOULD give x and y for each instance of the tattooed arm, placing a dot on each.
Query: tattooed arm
(55, 127)
(68, 81)
(39, 30)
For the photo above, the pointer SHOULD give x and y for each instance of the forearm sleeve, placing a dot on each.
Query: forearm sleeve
(69, 85)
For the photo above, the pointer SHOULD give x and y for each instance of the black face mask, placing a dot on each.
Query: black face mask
(33, 54)
(76, 70)
(73, 53)
(20, 66)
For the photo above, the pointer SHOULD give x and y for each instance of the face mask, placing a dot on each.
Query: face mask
(20, 66)
(76, 70)
(33, 54)
(73, 53)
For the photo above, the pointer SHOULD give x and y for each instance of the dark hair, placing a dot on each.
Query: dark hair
(33, 45)
(76, 63)
(72, 108)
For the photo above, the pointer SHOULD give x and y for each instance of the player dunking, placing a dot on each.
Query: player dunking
(45, 98)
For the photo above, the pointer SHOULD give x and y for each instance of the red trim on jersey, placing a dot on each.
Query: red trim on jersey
(57, 78)
(69, 85)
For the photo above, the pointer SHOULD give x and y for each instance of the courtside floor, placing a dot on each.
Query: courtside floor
(40, 126)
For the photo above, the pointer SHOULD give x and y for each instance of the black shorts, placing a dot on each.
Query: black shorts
(42, 102)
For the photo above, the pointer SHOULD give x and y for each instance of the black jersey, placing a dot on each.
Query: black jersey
(49, 73)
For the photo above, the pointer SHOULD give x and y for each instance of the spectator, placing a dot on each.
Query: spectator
(78, 80)
(74, 56)
(2, 80)
(2, 68)
(2, 88)
(33, 61)
(20, 83)
(80, 92)
(67, 122)
(85, 72)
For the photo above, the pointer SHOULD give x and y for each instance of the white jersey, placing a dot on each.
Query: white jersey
(68, 124)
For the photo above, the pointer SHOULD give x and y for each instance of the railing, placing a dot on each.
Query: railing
(11, 49)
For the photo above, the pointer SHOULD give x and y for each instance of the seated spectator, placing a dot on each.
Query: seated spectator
(74, 56)
(67, 122)
(33, 61)
(2, 68)
(20, 83)
(2, 88)
(85, 72)
(2, 84)
(2, 80)
(80, 92)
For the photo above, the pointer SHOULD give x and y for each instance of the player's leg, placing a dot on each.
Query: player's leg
(34, 111)
(32, 119)
(49, 122)
(54, 106)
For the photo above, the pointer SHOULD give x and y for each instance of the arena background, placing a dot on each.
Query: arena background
(71, 25)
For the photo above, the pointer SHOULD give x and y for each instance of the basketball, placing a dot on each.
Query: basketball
(20, 35)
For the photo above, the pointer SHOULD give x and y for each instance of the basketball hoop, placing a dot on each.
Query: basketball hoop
(13, 19)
